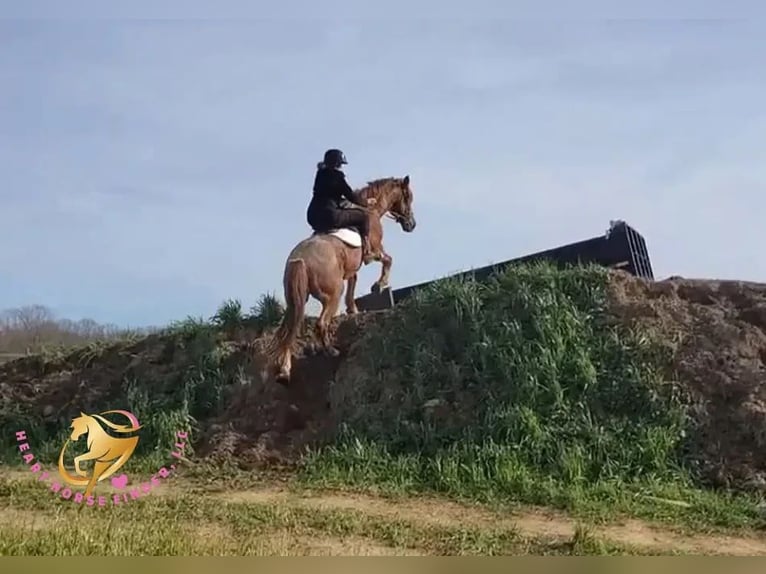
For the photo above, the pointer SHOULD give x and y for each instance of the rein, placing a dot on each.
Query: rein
(391, 214)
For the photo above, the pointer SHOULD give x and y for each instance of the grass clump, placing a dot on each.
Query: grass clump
(267, 312)
(519, 387)
(228, 317)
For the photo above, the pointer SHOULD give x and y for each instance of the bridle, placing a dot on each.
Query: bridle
(398, 217)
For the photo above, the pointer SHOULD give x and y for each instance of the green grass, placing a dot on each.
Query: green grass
(33, 524)
(682, 505)
(521, 389)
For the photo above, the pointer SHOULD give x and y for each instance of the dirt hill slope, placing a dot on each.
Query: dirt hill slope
(717, 333)
(713, 334)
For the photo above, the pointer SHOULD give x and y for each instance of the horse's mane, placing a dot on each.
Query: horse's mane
(381, 181)
(377, 184)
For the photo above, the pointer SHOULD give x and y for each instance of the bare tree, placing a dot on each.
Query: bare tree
(28, 329)
(31, 317)
(32, 322)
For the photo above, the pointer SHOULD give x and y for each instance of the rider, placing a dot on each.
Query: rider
(325, 211)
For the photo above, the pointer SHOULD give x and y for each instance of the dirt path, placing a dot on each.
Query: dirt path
(424, 511)
(529, 523)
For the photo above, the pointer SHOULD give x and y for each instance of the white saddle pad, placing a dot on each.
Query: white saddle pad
(347, 236)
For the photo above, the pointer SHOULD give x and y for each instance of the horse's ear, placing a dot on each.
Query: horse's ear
(406, 180)
(82, 414)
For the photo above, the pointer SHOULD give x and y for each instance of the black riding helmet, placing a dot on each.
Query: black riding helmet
(334, 158)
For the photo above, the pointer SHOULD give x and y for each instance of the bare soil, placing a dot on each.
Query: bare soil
(716, 331)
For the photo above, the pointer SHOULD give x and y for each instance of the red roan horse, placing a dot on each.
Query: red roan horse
(319, 264)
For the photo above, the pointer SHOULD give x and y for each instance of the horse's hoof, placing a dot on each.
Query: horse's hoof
(310, 349)
(283, 379)
(352, 311)
(294, 420)
(332, 352)
(375, 288)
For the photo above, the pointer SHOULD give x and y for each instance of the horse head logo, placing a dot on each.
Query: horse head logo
(108, 453)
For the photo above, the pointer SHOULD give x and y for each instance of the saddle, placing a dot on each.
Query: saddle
(349, 235)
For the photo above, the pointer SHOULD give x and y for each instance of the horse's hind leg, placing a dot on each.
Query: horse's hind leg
(330, 305)
(350, 302)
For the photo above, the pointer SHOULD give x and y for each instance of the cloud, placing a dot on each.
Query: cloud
(152, 169)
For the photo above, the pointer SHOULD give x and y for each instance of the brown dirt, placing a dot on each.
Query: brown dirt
(717, 333)
(264, 424)
(269, 424)
(717, 330)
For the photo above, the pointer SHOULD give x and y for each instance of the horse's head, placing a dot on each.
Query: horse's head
(79, 426)
(393, 196)
(401, 206)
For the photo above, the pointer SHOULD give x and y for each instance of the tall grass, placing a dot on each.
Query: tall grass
(521, 387)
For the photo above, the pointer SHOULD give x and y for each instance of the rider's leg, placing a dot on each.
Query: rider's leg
(356, 218)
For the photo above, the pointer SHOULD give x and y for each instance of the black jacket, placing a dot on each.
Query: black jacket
(330, 187)
(326, 210)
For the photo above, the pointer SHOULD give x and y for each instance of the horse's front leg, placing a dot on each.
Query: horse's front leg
(385, 271)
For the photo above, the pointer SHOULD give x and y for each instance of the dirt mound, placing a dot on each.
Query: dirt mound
(267, 423)
(715, 332)
(261, 423)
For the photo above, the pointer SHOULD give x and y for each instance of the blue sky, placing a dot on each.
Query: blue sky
(152, 169)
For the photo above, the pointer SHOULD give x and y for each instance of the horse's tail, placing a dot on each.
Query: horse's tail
(296, 284)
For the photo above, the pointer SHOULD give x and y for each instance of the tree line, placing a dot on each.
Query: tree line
(31, 328)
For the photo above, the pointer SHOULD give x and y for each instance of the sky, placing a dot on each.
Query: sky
(151, 169)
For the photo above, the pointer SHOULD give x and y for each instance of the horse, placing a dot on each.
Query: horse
(319, 264)
(108, 453)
